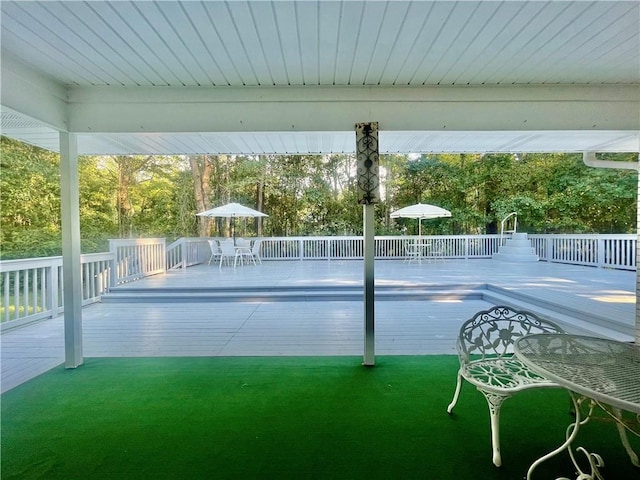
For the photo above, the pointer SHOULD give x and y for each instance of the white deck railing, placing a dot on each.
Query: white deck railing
(604, 251)
(186, 252)
(136, 258)
(31, 289)
(387, 247)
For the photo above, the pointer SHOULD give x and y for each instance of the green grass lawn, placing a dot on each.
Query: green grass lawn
(281, 418)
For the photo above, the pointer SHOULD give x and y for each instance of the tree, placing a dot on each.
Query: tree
(30, 197)
(201, 169)
(305, 195)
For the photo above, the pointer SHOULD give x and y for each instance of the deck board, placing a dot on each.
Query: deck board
(309, 327)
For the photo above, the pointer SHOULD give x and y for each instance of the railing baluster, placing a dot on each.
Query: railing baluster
(5, 303)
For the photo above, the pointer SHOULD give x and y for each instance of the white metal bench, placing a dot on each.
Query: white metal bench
(485, 350)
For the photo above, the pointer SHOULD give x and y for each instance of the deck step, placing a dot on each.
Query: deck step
(292, 294)
(574, 320)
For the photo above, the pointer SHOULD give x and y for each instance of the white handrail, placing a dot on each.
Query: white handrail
(504, 221)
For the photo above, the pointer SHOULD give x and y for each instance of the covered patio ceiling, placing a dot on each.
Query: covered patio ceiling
(252, 77)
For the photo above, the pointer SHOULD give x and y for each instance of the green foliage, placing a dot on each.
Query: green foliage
(308, 195)
(30, 196)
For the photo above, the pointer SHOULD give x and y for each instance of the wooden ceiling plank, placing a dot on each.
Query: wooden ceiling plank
(423, 54)
(270, 42)
(47, 47)
(349, 24)
(406, 41)
(455, 39)
(96, 41)
(576, 42)
(254, 51)
(391, 30)
(367, 41)
(286, 21)
(329, 41)
(223, 15)
(148, 21)
(176, 22)
(477, 43)
(549, 39)
(308, 38)
(219, 66)
(515, 41)
(120, 29)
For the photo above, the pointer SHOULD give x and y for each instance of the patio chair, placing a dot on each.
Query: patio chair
(485, 350)
(255, 251)
(215, 250)
(411, 251)
(227, 252)
(436, 251)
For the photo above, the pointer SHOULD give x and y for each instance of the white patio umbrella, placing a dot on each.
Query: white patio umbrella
(420, 211)
(233, 211)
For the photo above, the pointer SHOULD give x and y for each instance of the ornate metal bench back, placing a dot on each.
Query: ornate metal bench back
(492, 333)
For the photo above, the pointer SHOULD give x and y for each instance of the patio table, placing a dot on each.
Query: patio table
(596, 372)
(243, 251)
(418, 250)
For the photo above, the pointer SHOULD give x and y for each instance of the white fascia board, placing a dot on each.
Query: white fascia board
(25, 91)
(282, 109)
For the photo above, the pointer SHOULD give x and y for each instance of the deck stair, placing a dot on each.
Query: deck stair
(293, 293)
(575, 316)
(517, 248)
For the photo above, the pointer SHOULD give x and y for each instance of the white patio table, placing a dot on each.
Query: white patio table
(597, 372)
(243, 252)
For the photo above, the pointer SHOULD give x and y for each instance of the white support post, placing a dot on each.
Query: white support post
(638, 263)
(368, 170)
(71, 266)
(369, 284)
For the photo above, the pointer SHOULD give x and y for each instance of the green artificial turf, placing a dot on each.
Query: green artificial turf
(280, 418)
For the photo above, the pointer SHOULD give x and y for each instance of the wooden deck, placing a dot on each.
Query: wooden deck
(315, 308)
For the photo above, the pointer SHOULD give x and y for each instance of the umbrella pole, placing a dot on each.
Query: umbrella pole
(233, 229)
(419, 240)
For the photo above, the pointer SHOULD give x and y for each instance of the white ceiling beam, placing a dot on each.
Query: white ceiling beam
(25, 91)
(279, 109)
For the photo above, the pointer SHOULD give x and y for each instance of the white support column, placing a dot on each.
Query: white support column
(369, 284)
(368, 196)
(71, 267)
(638, 263)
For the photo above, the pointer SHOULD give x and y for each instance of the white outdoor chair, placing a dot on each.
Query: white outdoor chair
(411, 251)
(255, 251)
(436, 251)
(227, 252)
(243, 252)
(241, 242)
(485, 351)
(215, 250)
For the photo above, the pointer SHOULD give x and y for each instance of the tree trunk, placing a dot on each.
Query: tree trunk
(201, 172)
(260, 198)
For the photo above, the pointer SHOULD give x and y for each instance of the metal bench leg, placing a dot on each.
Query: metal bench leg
(495, 402)
(456, 394)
